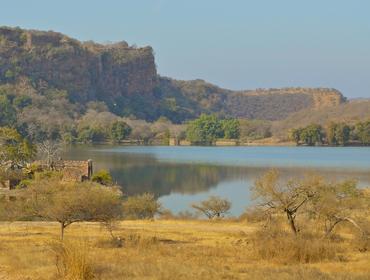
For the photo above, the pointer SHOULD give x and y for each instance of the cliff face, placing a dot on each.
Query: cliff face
(125, 79)
(269, 104)
(87, 71)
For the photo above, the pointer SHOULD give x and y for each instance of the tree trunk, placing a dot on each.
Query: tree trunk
(330, 229)
(62, 227)
(291, 222)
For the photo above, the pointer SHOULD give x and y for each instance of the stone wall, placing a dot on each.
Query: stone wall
(76, 171)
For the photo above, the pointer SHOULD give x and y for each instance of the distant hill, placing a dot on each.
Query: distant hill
(349, 112)
(269, 104)
(124, 79)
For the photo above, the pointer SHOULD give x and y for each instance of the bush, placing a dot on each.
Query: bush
(143, 206)
(102, 177)
(253, 215)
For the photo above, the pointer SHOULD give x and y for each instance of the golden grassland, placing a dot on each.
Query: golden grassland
(161, 249)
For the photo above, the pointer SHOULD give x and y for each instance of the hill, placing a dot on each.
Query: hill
(49, 67)
(267, 104)
(349, 112)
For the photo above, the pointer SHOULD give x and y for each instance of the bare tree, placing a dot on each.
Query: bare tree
(279, 197)
(314, 198)
(49, 151)
(337, 203)
(213, 207)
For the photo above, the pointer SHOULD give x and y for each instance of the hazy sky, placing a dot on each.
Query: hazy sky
(237, 44)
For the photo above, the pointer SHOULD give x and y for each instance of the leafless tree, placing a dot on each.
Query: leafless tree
(49, 151)
(213, 207)
(279, 197)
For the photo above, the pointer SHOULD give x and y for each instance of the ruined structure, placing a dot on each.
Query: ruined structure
(72, 170)
(76, 171)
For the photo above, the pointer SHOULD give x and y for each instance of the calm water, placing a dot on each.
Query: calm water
(183, 175)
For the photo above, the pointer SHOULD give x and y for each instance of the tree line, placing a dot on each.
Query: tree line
(207, 129)
(334, 134)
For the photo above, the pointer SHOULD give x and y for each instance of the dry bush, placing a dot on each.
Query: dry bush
(167, 214)
(361, 240)
(182, 215)
(138, 240)
(73, 261)
(142, 206)
(361, 243)
(253, 215)
(283, 247)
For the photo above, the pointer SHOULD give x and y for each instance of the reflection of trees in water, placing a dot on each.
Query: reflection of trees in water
(138, 173)
(163, 179)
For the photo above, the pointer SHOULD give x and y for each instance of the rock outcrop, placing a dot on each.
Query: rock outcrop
(87, 71)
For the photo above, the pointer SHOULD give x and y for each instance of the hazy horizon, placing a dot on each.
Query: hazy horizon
(236, 45)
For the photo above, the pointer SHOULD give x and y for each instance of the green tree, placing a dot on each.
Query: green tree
(91, 134)
(362, 132)
(342, 134)
(312, 135)
(204, 130)
(22, 101)
(331, 134)
(14, 149)
(119, 131)
(231, 128)
(7, 112)
(295, 135)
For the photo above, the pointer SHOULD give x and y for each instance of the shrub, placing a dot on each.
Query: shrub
(143, 206)
(253, 215)
(102, 177)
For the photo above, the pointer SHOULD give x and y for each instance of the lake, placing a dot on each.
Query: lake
(180, 176)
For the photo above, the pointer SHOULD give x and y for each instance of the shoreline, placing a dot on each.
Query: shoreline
(247, 144)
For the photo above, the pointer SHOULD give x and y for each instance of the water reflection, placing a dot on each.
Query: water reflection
(180, 183)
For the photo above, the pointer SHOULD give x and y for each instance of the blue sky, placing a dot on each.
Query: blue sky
(235, 44)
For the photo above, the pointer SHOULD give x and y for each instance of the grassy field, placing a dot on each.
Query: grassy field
(162, 249)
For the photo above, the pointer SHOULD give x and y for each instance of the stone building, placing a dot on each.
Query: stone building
(75, 170)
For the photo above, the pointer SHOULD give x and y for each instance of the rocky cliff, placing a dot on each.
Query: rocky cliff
(125, 79)
(87, 71)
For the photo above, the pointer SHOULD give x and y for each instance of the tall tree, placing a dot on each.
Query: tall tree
(204, 130)
(14, 149)
(231, 128)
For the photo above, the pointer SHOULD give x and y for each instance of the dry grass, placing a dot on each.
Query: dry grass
(73, 260)
(165, 249)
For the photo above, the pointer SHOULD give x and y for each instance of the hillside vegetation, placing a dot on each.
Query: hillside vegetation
(58, 74)
(349, 112)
